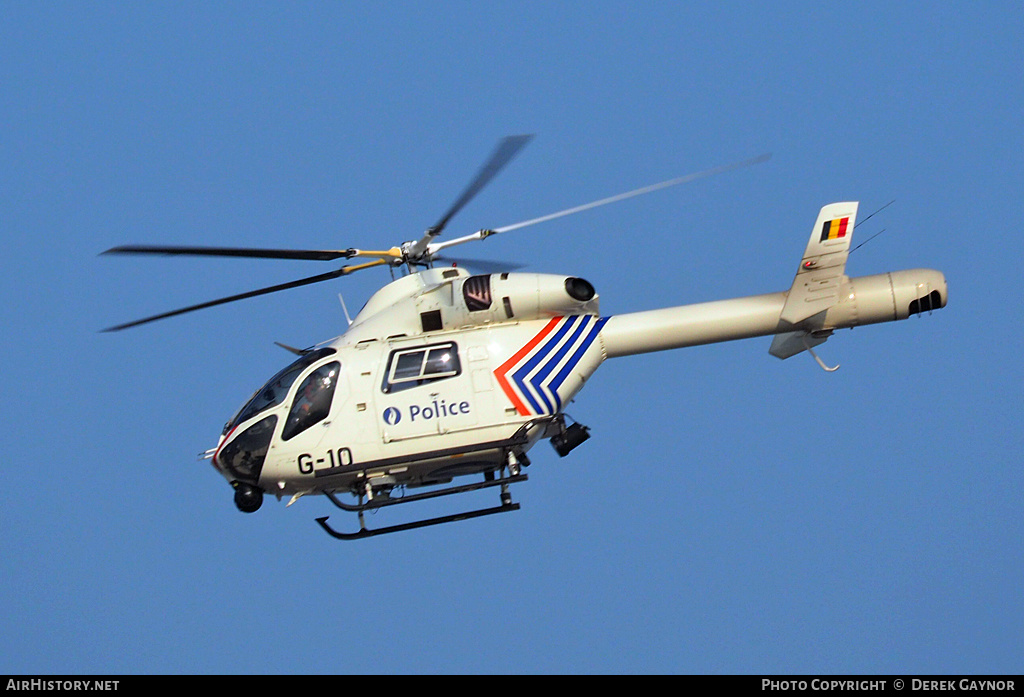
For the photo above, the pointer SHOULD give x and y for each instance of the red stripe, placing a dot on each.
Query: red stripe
(213, 460)
(512, 362)
(842, 226)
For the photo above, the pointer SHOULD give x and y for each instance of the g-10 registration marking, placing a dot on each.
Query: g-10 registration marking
(341, 457)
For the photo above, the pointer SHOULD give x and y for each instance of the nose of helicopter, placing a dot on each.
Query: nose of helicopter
(241, 455)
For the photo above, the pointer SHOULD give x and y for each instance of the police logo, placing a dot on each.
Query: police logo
(392, 416)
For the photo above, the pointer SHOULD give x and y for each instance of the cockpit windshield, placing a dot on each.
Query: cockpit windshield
(276, 389)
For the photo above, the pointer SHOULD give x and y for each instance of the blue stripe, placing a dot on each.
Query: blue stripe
(538, 379)
(520, 375)
(567, 368)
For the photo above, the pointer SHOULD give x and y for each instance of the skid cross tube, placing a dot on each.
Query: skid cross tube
(380, 502)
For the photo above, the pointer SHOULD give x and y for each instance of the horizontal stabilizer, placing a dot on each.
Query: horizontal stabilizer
(791, 343)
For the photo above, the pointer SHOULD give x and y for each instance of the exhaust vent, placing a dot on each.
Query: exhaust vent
(927, 303)
(579, 289)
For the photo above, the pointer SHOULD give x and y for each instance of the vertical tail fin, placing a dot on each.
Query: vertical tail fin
(816, 286)
(822, 269)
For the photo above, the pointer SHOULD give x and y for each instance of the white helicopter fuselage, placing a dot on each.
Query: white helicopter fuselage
(441, 374)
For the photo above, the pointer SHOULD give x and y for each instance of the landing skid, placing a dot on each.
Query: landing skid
(381, 502)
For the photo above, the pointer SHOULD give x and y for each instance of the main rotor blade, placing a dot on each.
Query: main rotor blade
(637, 192)
(507, 148)
(343, 271)
(302, 254)
(483, 234)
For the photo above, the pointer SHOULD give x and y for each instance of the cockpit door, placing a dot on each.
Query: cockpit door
(424, 391)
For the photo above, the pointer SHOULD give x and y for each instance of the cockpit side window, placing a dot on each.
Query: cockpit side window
(276, 389)
(413, 367)
(312, 400)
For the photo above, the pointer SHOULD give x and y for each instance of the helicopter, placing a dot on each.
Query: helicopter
(445, 380)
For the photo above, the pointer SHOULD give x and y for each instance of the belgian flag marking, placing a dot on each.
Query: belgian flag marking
(834, 229)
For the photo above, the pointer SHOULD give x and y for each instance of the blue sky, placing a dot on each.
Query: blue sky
(732, 513)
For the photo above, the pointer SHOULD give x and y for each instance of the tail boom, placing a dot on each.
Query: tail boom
(863, 300)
